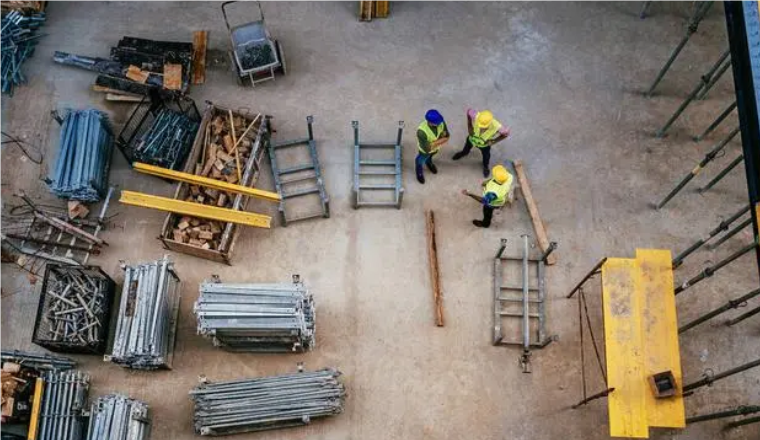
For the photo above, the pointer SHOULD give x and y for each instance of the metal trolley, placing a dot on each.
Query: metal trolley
(253, 35)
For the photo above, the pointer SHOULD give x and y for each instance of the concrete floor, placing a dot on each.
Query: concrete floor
(567, 77)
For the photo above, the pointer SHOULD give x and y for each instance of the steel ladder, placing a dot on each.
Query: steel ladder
(365, 167)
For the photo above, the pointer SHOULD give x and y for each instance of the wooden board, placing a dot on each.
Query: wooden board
(435, 276)
(641, 339)
(623, 349)
(200, 40)
(135, 74)
(173, 76)
(118, 97)
(538, 224)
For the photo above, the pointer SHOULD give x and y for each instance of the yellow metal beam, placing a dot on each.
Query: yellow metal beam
(34, 421)
(192, 179)
(195, 209)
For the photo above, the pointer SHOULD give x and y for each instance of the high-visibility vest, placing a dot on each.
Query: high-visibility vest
(431, 136)
(500, 189)
(480, 136)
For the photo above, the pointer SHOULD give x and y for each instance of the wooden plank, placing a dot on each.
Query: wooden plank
(195, 209)
(135, 74)
(435, 276)
(365, 11)
(103, 89)
(660, 335)
(173, 76)
(200, 41)
(624, 350)
(382, 9)
(535, 217)
(118, 97)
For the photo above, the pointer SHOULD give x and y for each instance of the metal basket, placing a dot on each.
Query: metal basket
(48, 333)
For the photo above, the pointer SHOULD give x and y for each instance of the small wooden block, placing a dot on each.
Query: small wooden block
(228, 144)
(206, 235)
(221, 200)
(219, 165)
(215, 228)
(206, 246)
(183, 225)
(11, 367)
(173, 76)
(195, 222)
(135, 74)
(195, 190)
(216, 174)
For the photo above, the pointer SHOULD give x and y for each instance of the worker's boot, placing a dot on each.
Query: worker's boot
(459, 155)
(479, 223)
(431, 166)
(486, 172)
(420, 175)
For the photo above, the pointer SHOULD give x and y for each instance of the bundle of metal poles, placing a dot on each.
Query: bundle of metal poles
(117, 417)
(84, 155)
(19, 38)
(267, 403)
(145, 319)
(38, 361)
(168, 141)
(63, 405)
(257, 317)
(74, 311)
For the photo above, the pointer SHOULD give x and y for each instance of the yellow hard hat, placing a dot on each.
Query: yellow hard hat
(484, 119)
(500, 174)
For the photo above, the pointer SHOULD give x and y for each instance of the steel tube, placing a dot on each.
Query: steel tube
(744, 316)
(590, 274)
(708, 380)
(723, 226)
(731, 233)
(723, 173)
(731, 304)
(739, 411)
(723, 115)
(710, 270)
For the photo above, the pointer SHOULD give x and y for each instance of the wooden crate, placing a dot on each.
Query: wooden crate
(250, 175)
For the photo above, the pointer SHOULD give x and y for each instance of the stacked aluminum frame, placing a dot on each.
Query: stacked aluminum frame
(63, 405)
(257, 317)
(117, 417)
(84, 156)
(149, 299)
(267, 403)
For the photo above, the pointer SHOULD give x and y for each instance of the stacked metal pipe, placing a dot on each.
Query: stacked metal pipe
(19, 38)
(257, 317)
(117, 417)
(168, 141)
(150, 293)
(38, 361)
(267, 403)
(81, 169)
(74, 310)
(63, 405)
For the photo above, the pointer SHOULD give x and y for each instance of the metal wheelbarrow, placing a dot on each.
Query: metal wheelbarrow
(255, 55)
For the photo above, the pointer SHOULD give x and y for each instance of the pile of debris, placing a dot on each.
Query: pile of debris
(138, 65)
(257, 317)
(226, 148)
(84, 156)
(117, 417)
(62, 416)
(19, 38)
(147, 317)
(266, 403)
(74, 310)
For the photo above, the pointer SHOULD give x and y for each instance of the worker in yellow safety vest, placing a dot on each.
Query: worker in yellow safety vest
(484, 132)
(497, 192)
(432, 133)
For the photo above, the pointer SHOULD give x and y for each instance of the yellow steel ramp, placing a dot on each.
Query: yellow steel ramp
(641, 339)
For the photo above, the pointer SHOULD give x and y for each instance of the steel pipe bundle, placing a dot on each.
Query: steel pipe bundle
(267, 403)
(146, 316)
(19, 38)
(63, 405)
(257, 317)
(117, 417)
(168, 141)
(84, 155)
(38, 361)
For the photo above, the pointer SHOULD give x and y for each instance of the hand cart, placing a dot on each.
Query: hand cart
(255, 54)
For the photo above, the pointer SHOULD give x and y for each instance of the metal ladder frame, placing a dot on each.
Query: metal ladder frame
(278, 173)
(396, 187)
(540, 340)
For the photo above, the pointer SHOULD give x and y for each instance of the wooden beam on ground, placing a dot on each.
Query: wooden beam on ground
(200, 40)
(194, 179)
(538, 225)
(195, 209)
(435, 275)
(382, 9)
(365, 11)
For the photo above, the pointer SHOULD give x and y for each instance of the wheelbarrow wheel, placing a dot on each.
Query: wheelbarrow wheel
(281, 56)
(234, 68)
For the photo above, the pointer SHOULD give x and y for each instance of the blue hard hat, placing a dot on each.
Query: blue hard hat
(433, 117)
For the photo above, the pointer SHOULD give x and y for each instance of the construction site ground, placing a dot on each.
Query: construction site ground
(566, 77)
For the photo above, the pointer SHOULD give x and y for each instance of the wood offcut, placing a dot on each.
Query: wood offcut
(538, 225)
(435, 275)
(200, 40)
(173, 76)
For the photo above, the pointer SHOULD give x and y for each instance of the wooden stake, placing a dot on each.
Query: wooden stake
(538, 225)
(234, 141)
(435, 276)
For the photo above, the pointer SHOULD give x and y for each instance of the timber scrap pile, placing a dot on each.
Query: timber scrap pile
(225, 152)
(137, 65)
